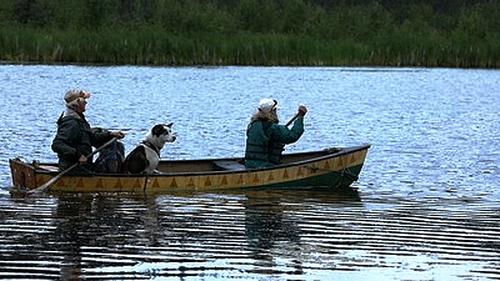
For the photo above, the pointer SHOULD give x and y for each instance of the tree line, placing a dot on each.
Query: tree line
(457, 33)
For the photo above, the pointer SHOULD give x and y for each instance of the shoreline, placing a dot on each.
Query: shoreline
(83, 64)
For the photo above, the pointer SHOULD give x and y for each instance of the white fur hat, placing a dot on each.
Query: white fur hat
(268, 104)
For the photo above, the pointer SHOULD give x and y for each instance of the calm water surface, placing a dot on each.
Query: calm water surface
(426, 206)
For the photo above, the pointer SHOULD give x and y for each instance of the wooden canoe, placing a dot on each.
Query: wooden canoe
(334, 167)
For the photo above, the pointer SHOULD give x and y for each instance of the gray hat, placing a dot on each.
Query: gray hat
(73, 95)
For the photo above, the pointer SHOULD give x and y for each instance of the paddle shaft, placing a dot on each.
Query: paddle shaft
(291, 120)
(49, 183)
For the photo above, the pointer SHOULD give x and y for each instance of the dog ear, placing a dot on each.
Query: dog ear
(158, 130)
(170, 124)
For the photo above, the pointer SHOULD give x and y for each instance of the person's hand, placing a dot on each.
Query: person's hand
(302, 110)
(82, 159)
(118, 135)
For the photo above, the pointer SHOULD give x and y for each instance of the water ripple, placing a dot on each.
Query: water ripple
(424, 208)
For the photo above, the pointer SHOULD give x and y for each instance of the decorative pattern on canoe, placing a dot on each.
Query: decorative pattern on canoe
(255, 178)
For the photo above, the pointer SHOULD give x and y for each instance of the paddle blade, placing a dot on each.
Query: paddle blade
(50, 182)
(44, 186)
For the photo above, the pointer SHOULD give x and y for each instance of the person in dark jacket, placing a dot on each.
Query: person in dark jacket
(75, 138)
(266, 138)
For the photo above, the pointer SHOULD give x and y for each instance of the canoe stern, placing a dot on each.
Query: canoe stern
(23, 175)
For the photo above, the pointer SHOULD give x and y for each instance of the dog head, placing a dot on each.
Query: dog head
(161, 134)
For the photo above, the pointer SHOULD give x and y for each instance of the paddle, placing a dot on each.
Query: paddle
(291, 120)
(49, 183)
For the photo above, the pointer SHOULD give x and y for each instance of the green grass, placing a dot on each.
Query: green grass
(154, 46)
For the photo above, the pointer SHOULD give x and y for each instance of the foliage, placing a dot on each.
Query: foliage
(461, 33)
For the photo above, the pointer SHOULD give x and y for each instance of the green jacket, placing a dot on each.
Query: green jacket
(265, 142)
(75, 138)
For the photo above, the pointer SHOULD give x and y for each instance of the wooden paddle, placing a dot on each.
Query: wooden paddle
(49, 183)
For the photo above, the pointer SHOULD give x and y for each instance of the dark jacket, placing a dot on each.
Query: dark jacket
(265, 142)
(75, 138)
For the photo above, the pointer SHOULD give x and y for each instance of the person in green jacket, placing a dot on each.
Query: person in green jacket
(266, 138)
(75, 138)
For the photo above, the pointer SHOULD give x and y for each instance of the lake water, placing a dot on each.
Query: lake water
(426, 205)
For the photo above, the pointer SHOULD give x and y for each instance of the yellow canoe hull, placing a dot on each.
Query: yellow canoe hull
(331, 167)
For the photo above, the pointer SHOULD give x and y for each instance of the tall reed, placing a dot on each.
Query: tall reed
(153, 47)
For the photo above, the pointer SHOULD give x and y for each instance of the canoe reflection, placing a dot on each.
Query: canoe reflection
(272, 226)
(121, 235)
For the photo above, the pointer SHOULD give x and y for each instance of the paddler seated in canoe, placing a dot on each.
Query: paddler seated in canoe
(266, 138)
(75, 138)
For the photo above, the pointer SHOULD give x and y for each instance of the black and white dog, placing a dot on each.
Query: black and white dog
(146, 156)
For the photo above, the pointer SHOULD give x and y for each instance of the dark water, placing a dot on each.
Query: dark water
(426, 206)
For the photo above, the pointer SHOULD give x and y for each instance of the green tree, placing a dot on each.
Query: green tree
(6, 12)
(295, 14)
(258, 15)
(31, 12)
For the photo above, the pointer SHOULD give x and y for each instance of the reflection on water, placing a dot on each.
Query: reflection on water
(279, 234)
(426, 206)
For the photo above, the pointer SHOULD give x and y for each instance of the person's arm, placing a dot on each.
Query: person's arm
(100, 136)
(280, 133)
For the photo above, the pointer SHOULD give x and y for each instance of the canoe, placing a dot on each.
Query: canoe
(333, 167)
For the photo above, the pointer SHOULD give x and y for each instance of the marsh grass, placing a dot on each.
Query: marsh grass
(151, 46)
(250, 32)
